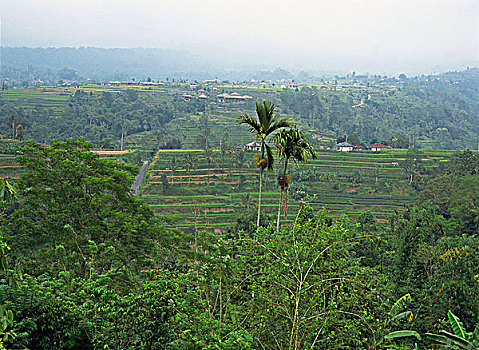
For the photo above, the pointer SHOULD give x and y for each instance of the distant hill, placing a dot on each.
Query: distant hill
(99, 63)
(83, 63)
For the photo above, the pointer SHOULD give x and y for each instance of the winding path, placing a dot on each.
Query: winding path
(139, 178)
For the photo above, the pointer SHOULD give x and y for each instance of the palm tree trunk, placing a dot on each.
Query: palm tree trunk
(259, 196)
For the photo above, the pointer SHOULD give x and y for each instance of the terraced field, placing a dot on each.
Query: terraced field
(53, 100)
(210, 196)
(9, 167)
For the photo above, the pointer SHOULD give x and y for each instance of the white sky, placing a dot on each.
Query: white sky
(336, 34)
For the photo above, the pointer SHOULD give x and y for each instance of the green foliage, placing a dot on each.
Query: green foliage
(466, 163)
(72, 197)
(435, 266)
(434, 112)
(397, 314)
(101, 118)
(294, 289)
(73, 313)
(307, 290)
(456, 198)
(412, 165)
(460, 338)
(8, 194)
(246, 223)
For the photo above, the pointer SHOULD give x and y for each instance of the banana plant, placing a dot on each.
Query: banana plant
(461, 339)
(395, 315)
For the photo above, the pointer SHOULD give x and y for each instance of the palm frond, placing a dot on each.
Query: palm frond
(254, 126)
(270, 157)
(292, 143)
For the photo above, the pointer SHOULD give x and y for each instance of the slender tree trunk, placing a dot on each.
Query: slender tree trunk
(282, 184)
(279, 208)
(259, 196)
(209, 174)
(286, 203)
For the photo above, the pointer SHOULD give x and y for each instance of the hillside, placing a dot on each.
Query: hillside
(434, 114)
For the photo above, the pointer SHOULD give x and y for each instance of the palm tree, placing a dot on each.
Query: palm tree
(240, 159)
(173, 168)
(291, 144)
(265, 124)
(209, 157)
(189, 164)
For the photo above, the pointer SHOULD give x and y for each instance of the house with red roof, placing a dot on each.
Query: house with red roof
(375, 147)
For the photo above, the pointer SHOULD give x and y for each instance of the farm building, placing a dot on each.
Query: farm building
(344, 147)
(253, 146)
(377, 147)
(187, 97)
(234, 97)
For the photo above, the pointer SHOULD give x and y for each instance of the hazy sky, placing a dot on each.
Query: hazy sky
(373, 35)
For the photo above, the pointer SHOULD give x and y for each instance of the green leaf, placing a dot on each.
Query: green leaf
(402, 334)
(402, 315)
(449, 339)
(456, 325)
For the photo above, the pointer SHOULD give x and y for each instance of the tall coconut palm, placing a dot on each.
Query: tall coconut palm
(291, 144)
(265, 124)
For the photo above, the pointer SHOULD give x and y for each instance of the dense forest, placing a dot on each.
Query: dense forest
(443, 113)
